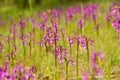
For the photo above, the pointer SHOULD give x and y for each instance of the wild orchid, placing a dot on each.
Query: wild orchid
(81, 24)
(71, 42)
(96, 28)
(116, 22)
(50, 38)
(12, 37)
(95, 67)
(22, 25)
(116, 25)
(96, 70)
(69, 15)
(63, 33)
(31, 38)
(8, 42)
(34, 23)
(56, 14)
(19, 72)
(62, 55)
(90, 11)
(84, 42)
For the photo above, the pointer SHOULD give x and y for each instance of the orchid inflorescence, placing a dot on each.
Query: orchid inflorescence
(18, 72)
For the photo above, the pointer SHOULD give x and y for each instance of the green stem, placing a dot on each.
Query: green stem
(77, 59)
(63, 38)
(55, 54)
(97, 32)
(9, 47)
(87, 50)
(70, 51)
(46, 49)
(24, 50)
(30, 48)
(67, 70)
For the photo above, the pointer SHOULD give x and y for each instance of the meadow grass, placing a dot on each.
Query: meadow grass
(106, 42)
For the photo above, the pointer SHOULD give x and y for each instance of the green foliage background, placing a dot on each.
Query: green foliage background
(42, 3)
(27, 7)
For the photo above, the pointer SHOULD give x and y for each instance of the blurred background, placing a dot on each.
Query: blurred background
(43, 4)
(18, 7)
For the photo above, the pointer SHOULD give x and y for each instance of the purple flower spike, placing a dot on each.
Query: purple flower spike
(70, 40)
(22, 23)
(82, 41)
(81, 22)
(94, 57)
(116, 24)
(62, 54)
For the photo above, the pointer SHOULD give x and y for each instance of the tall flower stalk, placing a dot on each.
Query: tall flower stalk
(84, 42)
(70, 43)
(96, 70)
(9, 45)
(88, 41)
(62, 55)
(51, 37)
(22, 26)
(87, 47)
(77, 57)
(97, 29)
(115, 13)
(116, 24)
(19, 72)
(81, 25)
(55, 44)
(63, 36)
(31, 37)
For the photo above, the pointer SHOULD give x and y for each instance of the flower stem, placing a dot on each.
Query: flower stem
(97, 32)
(55, 54)
(9, 47)
(46, 49)
(87, 46)
(70, 51)
(30, 48)
(24, 50)
(67, 70)
(77, 59)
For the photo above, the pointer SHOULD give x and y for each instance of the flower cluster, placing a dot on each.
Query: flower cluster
(18, 73)
(71, 40)
(56, 13)
(91, 11)
(27, 38)
(114, 10)
(52, 34)
(83, 41)
(94, 57)
(116, 23)
(81, 22)
(62, 54)
(22, 23)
